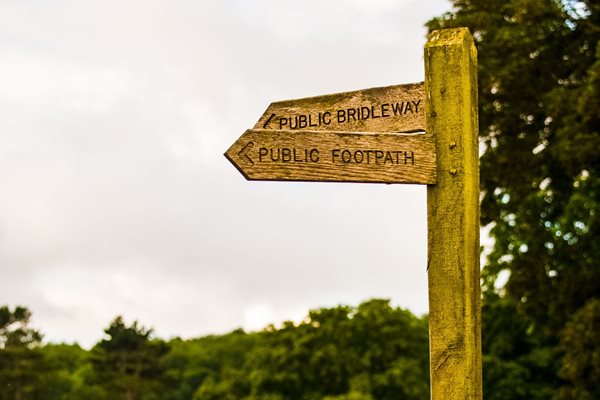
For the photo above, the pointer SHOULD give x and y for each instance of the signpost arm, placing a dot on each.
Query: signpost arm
(453, 217)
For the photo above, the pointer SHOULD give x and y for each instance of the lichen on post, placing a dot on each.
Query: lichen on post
(453, 216)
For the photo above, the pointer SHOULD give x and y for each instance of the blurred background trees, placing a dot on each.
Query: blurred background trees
(372, 351)
(19, 354)
(128, 365)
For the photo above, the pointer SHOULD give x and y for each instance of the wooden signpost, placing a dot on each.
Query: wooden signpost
(415, 133)
(394, 109)
(262, 154)
(371, 135)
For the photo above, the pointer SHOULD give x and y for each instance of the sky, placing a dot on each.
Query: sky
(115, 197)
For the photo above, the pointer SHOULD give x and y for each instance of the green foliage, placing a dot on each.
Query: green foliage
(57, 371)
(19, 358)
(539, 93)
(196, 362)
(350, 396)
(581, 347)
(127, 364)
(372, 351)
(369, 352)
(514, 368)
(15, 331)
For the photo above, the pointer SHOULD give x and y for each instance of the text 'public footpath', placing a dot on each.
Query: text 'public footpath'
(336, 156)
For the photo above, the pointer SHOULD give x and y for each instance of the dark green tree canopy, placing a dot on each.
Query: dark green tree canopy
(19, 359)
(128, 365)
(15, 330)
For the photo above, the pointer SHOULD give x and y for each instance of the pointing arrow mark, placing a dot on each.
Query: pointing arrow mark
(244, 152)
(269, 120)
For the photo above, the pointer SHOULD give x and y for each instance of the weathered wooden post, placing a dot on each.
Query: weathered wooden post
(453, 216)
(376, 135)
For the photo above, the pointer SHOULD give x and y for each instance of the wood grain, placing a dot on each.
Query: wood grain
(399, 108)
(453, 217)
(285, 155)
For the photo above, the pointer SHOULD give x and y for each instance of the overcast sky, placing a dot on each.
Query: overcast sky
(115, 197)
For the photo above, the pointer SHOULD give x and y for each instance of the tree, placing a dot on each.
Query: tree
(208, 367)
(394, 349)
(581, 363)
(18, 356)
(15, 330)
(128, 364)
(370, 351)
(514, 367)
(59, 371)
(539, 93)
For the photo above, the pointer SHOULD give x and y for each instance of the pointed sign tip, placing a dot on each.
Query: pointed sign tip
(230, 156)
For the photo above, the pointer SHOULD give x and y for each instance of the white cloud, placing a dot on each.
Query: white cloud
(115, 197)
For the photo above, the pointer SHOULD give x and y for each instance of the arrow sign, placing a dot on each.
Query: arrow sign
(399, 108)
(302, 155)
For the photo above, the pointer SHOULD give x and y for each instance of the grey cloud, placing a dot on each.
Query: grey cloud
(115, 196)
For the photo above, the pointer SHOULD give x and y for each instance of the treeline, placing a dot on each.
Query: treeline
(369, 352)
(372, 351)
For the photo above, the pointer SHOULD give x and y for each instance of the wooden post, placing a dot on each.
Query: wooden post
(453, 217)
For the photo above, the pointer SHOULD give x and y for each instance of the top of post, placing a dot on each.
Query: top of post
(448, 37)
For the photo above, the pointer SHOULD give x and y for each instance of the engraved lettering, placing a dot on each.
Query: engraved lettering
(348, 115)
(314, 155)
(303, 123)
(397, 108)
(351, 113)
(335, 153)
(385, 108)
(282, 122)
(370, 157)
(273, 158)
(349, 156)
(288, 154)
(373, 113)
(388, 156)
(416, 104)
(262, 152)
(356, 156)
(364, 112)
